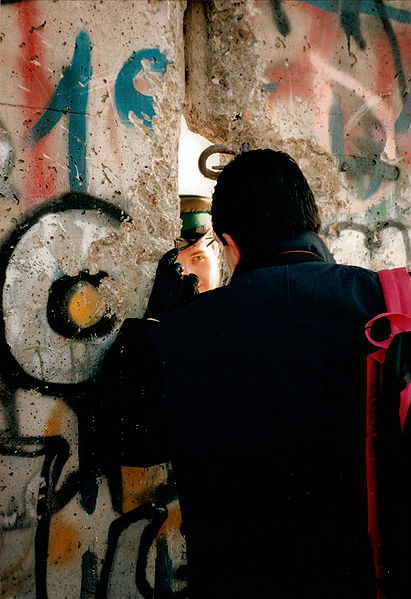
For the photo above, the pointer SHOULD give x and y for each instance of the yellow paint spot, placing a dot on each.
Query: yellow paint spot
(64, 542)
(86, 306)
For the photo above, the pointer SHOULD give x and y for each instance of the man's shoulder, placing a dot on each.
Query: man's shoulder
(348, 284)
(304, 272)
(351, 283)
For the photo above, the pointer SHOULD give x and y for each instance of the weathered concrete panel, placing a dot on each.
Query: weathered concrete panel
(327, 82)
(91, 95)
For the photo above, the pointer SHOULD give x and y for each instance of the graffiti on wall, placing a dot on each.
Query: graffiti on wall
(71, 96)
(349, 19)
(71, 525)
(56, 109)
(131, 100)
(348, 66)
(55, 327)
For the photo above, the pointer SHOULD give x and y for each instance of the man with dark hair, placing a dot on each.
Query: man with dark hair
(282, 201)
(269, 459)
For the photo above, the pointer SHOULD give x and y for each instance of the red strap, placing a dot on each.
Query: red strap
(399, 323)
(396, 285)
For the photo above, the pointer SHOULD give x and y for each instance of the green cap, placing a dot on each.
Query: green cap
(195, 212)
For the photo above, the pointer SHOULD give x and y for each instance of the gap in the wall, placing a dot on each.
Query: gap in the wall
(190, 180)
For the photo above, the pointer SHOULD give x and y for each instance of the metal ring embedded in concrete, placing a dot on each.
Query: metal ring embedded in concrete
(205, 154)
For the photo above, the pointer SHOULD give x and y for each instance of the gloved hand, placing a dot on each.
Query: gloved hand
(171, 288)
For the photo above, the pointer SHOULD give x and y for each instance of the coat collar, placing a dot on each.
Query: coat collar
(303, 247)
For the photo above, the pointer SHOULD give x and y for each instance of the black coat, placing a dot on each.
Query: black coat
(264, 419)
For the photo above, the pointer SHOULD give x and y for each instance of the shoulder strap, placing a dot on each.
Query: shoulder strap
(396, 285)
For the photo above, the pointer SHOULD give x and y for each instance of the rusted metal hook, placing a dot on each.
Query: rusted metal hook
(205, 154)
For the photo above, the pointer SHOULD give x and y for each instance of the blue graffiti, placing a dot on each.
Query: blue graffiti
(268, 88)
(127, 98)
(402, 124)
(355, 166)
(374, 184)
(366, 7)
(70, 97)
(336, 128)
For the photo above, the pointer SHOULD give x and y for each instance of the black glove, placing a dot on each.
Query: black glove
(171, 288)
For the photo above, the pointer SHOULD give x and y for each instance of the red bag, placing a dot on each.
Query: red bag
(387, 448)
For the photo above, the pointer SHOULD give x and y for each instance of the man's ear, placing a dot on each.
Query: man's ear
(232, 252)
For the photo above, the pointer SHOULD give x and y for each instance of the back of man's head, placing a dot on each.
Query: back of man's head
(261, 199)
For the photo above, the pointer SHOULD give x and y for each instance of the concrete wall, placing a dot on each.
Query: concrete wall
(91, 100)
(328, 82)
(92, 93)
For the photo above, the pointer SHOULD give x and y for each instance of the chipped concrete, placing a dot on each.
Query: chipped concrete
(298, 77)
(91, 96)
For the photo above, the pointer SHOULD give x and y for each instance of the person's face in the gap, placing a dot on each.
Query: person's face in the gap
(203, 260)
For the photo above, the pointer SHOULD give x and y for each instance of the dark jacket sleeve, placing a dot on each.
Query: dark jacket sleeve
(127, 394)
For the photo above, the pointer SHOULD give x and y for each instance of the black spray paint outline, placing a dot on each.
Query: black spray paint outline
(83, 480)
(8, 193)
(56, 451)
(156, 515)
(370, 241)
(12, 371)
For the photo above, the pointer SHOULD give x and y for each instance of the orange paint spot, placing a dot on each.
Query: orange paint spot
(173, 522)
(139, 484)
(53, 424)
(64, 542)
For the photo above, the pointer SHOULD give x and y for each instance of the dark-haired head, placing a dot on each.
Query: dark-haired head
(262, 199)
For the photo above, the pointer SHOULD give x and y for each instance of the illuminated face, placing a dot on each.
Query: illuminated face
(202, 259)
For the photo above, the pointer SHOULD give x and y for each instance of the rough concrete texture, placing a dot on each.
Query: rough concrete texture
(92, 93)
(328, 83)
(91, 101)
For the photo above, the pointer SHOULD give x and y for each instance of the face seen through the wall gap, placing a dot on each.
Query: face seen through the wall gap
(202, 259)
